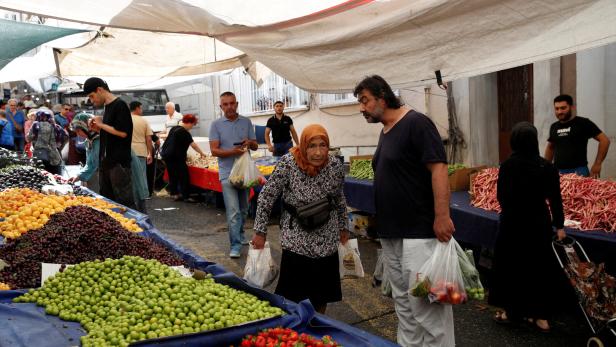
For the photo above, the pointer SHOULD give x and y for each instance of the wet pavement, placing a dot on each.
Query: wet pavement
(202, 228)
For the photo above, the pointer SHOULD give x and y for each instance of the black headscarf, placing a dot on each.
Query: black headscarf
(524, 140)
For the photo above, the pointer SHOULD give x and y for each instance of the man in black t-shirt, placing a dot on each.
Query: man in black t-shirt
(116, 134)
(281, 127)
(568, 140)
(411, 192)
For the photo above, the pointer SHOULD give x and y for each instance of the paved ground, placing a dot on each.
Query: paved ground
(202, 228)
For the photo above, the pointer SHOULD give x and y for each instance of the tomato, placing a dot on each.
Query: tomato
(246, 343)
(455, 298)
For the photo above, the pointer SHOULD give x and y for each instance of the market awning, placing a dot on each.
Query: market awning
(129, 53)
(335, 45)
(19, 38)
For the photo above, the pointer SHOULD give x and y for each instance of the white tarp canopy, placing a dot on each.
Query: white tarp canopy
(131, 53)
(405, 41)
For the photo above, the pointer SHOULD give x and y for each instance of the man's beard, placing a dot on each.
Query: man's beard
(567, 116)
(374, 117)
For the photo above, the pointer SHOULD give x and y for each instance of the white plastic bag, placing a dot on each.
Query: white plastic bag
(244, 173)
(440, 278)
(260, 270)
(350, 263)
(470, 275)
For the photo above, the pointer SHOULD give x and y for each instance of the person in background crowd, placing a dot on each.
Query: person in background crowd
(306, 175)
(174, 153)
(47, 139)
(568, 141)
(17, 119)
(412, 207)
(84, 126)
(28, 103)
(6, 132)
(152, 166)
(141, 142)
(528, 191)
(30, 118)
(173, 119)
(281, 127)
(116, 133)
(61, 117)
(230, 137)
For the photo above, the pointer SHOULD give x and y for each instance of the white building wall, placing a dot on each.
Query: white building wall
(477, 109)
(546, 85)
(596, 98)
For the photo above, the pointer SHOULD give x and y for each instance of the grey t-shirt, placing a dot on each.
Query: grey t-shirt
(228, 133)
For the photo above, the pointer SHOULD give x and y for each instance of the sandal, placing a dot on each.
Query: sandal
(533, 324)
(498, 318)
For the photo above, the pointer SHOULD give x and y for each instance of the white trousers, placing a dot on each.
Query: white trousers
(420, 323)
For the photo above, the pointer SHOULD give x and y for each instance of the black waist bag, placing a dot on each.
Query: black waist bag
(313, 214)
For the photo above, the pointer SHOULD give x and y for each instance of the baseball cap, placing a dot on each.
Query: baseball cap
(92, 83)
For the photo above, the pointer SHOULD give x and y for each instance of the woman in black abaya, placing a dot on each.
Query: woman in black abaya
(524, 264)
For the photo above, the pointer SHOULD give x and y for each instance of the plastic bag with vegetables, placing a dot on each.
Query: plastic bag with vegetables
(470, 275)
(244, 173)
(440, 278)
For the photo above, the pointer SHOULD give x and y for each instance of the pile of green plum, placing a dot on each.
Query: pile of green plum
(131, 299)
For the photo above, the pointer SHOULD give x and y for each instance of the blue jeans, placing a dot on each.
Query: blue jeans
(580, 171)
(20, 143)
(281, 149)
(236, 208)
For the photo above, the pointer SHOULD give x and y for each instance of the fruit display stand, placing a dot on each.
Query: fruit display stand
(28, 324)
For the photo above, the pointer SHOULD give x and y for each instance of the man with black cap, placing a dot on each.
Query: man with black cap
(116, 135)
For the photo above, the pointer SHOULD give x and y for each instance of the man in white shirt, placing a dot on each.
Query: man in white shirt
(142, 139)
(173, 119)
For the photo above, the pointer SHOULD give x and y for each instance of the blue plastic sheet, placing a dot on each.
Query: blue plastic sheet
(28, 325)
(359, 194)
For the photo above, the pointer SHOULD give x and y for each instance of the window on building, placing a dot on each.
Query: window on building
(336, 99)
(254, 99)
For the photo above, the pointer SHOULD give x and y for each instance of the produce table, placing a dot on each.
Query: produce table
(480, 227)
(359, 194)
(208, 179)
(26, 324)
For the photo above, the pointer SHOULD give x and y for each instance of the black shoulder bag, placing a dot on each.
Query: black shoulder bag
(313, 214)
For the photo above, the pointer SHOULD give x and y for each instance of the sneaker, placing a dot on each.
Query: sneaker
(245, 242)
(234, 254)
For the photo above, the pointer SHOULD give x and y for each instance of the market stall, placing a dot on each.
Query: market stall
(66, 230)
(479, 227)
(204, 172)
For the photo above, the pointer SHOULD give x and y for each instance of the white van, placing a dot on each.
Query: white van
(152, 101)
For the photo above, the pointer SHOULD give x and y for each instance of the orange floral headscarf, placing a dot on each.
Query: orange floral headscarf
(300, 153)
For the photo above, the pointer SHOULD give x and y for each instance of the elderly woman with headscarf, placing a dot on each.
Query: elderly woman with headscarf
(307, 176)
(528, 191)
(47, 140)
(82, 125)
